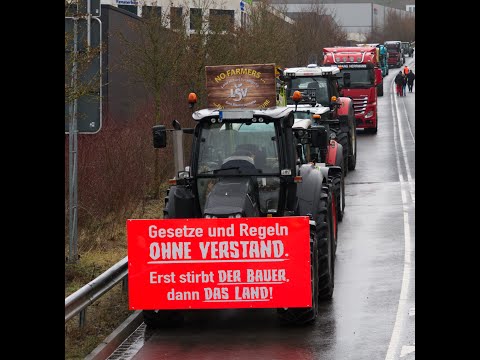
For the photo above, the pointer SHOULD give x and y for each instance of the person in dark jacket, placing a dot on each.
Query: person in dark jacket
(410, 79)
(399, 83)
(404, 85)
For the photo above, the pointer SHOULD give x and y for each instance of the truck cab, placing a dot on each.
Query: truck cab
(364, 83)
(396, 56)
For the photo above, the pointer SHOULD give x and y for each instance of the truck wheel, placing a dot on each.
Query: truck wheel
(372, 130)
(300, 316)
(326, 246)
(342, 139)
(380, 89)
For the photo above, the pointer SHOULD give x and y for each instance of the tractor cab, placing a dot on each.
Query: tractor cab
(317, 84)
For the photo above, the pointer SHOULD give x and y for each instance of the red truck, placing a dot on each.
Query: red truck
(396, 57)
(363, 84)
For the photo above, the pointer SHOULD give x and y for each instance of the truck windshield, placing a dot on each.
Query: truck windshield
(304, 84)
(359, 78)
(393, 47)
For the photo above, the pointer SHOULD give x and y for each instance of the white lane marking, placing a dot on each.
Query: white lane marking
(411, 312)
(408, 122)
(396, 115)
(412, 66)
(407, 349)
(403, 300)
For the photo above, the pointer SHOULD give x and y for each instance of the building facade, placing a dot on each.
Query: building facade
(356, 17)
(173, 10)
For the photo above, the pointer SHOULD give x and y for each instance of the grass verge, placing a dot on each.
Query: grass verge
(101, 247)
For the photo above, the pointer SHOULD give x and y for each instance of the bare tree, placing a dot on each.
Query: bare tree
(153, 56)
(399, 26)
(266, 36)
(80, 59)
(315, 29)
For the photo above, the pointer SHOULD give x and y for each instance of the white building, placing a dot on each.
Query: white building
(356, 17)
(176, 9)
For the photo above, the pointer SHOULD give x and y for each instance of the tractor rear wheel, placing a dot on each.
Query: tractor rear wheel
(342, 139)
(326, 246)
(162, 318)
(338, 184)
(300, 316)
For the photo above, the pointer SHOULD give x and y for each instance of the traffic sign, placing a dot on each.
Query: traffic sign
(89, 106)
(80, 8)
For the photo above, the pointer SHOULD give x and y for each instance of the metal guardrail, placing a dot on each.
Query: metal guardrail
(77, 302)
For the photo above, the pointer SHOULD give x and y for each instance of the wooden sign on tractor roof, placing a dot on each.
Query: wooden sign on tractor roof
(241, 86)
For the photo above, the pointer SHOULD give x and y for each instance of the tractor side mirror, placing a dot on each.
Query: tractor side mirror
(159, 136)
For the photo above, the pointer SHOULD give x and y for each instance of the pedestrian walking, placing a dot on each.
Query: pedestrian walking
(404, 85)
(410, 79)
(399, 83)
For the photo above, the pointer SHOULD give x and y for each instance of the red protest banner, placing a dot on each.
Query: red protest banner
(219, 263)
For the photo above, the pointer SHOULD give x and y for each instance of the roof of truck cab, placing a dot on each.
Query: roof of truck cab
(350, 49)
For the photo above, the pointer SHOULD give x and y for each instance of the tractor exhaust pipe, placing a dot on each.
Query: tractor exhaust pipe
(178, 147)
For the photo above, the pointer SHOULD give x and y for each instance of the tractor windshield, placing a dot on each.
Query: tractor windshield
(240, 149)
(314, 89)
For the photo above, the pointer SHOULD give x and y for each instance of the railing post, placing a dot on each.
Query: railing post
(82, 318)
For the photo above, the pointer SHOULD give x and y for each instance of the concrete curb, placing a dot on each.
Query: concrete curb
(119, 335)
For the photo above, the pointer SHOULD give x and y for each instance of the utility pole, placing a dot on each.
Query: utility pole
(90, 123)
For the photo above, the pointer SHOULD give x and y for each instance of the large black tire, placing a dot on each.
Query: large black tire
(162, 318)
(338, 185)
(326, 246)
(301, 316)
(342, 139)
(380, 89)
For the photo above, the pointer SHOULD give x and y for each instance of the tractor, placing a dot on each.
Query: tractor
(320, 89)
(256, 163)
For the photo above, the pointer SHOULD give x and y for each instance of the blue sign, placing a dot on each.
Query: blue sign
(242, 6)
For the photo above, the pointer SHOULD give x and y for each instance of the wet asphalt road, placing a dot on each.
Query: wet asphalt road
(372, 313)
